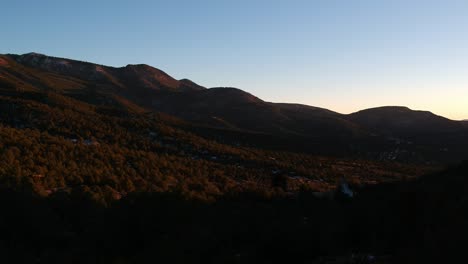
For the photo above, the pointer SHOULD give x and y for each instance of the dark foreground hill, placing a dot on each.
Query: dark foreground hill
(422, 221)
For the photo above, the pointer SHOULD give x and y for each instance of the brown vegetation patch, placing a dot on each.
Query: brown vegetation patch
(3, 62)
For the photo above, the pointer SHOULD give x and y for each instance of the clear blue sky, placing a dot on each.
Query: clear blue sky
(343, 55)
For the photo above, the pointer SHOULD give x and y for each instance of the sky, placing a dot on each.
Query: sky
(344, 55)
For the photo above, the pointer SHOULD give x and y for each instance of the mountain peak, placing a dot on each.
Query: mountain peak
(132, 75)
(31, 57)
(190, 85)
(34, 54)
(150, 77)
(139, 65)
(391, 108)
(46, 62)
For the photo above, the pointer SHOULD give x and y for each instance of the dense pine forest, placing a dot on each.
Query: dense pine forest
(53, 144)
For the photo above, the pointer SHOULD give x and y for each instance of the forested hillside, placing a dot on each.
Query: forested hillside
(385, 133)
(51, 143)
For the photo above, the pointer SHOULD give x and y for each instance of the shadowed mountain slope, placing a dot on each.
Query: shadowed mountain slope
(395, 133)
(404, 121)
(153, 89)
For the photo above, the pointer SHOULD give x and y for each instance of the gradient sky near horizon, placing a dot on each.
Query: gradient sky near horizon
(344, 55)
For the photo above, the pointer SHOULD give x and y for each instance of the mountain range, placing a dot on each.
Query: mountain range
(128, 165)
(390, 132)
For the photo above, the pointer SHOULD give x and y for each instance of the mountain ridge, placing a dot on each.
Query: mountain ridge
(23, 59)
(141, 88)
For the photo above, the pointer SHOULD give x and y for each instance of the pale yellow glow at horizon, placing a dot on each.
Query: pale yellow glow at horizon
(452, 105)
